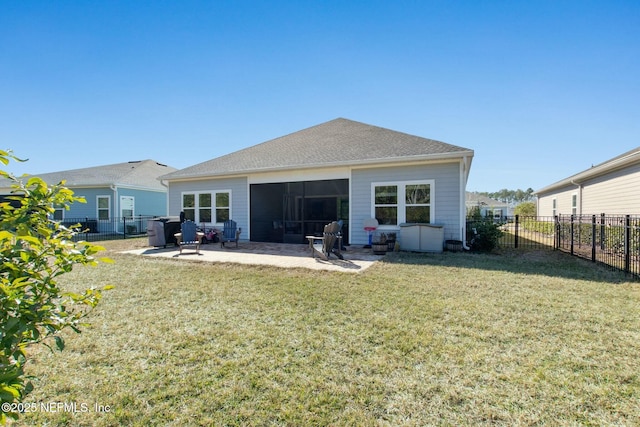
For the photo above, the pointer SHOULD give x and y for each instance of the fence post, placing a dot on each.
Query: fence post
(593, 238)
(124, 227)
(602, 231)
(627, 244)
(515, 242)
(571, 232)
(556, 235)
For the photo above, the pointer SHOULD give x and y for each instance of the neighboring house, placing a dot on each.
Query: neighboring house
(291, 186)
(488, 207)
(112, 191)
(610, 187)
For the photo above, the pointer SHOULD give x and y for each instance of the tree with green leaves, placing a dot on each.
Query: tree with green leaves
(511, 196)
(525, 209)
(35, 251)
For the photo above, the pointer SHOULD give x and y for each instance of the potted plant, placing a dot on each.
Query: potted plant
(379, 244)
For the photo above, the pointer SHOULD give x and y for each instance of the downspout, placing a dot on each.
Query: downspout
(579, 196)
(464, 165)
(115, 199)
(162, 182)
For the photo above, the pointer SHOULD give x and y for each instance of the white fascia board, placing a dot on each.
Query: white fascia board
(316, 174)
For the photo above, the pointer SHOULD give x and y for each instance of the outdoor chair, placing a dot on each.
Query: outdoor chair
(230, 233)
(331, 241)
(189, 236)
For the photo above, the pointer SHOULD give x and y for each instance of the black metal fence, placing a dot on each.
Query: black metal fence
(613, 240)
(93, 230)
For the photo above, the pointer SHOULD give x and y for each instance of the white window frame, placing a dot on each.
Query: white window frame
(554, 206)
(108, 208)
(214, 207)
(574, 203)
(59, 209)
(401, 204)
(133, 204)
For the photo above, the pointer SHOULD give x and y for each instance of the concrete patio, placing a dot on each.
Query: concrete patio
(356, 258)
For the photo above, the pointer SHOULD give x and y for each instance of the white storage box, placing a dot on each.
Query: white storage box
(421, 237)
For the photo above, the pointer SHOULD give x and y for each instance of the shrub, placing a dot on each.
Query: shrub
(486, 236)
(35, 250)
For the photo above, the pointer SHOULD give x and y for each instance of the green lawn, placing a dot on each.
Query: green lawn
(453, 339)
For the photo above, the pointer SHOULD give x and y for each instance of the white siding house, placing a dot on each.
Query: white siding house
(291, 186)
(610, 187)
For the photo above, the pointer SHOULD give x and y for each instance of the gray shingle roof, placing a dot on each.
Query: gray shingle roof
(142, 174)
(334, 143)
(475, 199)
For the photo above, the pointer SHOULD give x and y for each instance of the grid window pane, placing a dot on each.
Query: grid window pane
(222, 215)
(222, 200)
(205, 215)
(188, 201)
(386, 195)
(190, 214)
(418, 194)
(419, 214)
(205, 200)
(387, 215)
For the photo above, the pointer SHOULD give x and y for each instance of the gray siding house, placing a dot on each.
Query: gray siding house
(610, 187)
(489, 208)
(112, 191)
(291, 186)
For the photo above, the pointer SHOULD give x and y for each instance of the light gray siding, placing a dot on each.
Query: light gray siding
(563, 197)
(239, 197)
(447, 203)
(545, 204)
(446, 195)
(147, 203)
(612, 193)
(90, 208)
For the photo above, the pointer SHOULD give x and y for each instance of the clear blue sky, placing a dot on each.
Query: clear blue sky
(538, 89)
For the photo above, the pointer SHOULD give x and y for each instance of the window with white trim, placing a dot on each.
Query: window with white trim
(554, 206)
(127, 207)
(397, 202)
(574, 203)
(58, 212)
(104, 207)
(209, 206)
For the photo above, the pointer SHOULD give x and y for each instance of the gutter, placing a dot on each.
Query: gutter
(114, 188)
(580, 186)
(386, 161)
(165, 185)
(465, 165)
